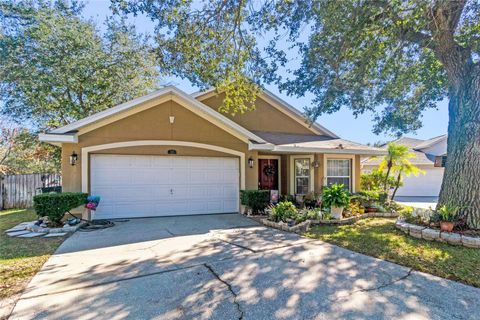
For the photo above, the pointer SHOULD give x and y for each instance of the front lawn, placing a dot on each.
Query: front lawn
(379, 238)
(21, 258)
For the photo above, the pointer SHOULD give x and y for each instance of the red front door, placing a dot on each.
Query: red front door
(268, 174)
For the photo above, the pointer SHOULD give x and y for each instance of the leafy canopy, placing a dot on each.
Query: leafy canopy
(56, 67)
(392, 58)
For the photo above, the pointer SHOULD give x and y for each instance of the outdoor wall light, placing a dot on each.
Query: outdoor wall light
(73, 158)
(316, 164)
(250, 162)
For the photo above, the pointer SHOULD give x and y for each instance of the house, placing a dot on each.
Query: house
(431, 155)
(171, 153)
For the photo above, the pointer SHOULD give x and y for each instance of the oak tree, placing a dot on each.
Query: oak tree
(394, 58)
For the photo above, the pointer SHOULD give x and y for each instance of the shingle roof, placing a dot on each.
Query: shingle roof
(306, 142)
(430, 142)
(415, 146)
(288, 138)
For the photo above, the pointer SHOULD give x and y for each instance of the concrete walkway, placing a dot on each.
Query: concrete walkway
(228, 267)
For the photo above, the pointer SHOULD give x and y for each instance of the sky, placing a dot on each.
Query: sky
(343, 123)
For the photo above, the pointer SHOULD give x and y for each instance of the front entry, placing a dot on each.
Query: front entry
(268, 174)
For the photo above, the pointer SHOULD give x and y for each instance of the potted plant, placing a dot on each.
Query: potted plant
(337, 198)
(448, 215)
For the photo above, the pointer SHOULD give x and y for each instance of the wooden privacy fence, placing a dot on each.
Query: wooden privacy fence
(17, 191)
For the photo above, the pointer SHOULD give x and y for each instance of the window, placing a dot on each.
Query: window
(302, 176)
(339, 172)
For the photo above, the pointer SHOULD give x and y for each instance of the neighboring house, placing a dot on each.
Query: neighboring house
(171, 153)
(429, 157)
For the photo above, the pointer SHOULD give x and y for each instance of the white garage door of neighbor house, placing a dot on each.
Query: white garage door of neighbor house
(423, 185)
(146, 186)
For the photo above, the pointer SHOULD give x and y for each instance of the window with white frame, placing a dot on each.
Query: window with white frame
(302, 176)
(339, 172)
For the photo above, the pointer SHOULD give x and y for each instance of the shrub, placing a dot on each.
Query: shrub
(287, 197)
(257, 200)
(284, 211)
(313, 214)
(335, 196)
(311, 200)
(375, 180)
(369, 198)
(55, 205)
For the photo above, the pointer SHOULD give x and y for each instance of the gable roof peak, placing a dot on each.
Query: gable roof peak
(280, 104)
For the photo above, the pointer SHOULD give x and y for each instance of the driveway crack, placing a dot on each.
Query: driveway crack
(384, 285)
(229, 287)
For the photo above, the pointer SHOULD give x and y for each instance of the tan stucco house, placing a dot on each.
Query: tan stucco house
(171, 153)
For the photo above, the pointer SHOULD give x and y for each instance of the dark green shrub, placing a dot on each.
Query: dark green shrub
(55, 205)
(257, 200)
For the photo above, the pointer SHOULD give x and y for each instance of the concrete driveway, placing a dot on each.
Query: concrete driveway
(418, 202)
(229, 267)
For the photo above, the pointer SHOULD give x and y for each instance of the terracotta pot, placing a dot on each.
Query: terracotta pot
(336, 212)
(446, 226)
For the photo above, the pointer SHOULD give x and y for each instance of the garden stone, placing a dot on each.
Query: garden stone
(452, 238)
(17, 233)
(471, 242)
(31, 235)
(430, 234)
(17, 228)
(416, 231)
(403, 226)
(55, 234)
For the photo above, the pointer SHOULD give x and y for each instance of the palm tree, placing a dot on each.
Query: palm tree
(404, 168)
(396, 153)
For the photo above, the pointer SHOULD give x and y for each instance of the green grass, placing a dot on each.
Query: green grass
(379, 238)
(21, 258)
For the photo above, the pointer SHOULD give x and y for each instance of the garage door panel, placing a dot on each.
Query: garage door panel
(198, 176)
(141, 162)
(229, 205)
(162, 162)
(142, 186)
(142, 176)
(110, 176)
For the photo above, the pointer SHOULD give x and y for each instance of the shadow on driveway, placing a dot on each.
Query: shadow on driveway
(229, 267)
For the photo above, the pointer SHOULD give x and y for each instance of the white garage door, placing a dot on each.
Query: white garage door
(427, 185)
(146, 186)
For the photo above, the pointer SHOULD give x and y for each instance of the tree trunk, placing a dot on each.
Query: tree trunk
(397, 185)
(461, 181)
(389, 168)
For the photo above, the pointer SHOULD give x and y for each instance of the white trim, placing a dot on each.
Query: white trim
(298, 149)
(280, 105)
(175, 95)
(87, 150)
(63, 138)
(311, 157)
(260, 146)
(339, 157)
(279, 173)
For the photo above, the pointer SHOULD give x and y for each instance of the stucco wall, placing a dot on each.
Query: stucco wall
(264, 118)
(153, 124)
